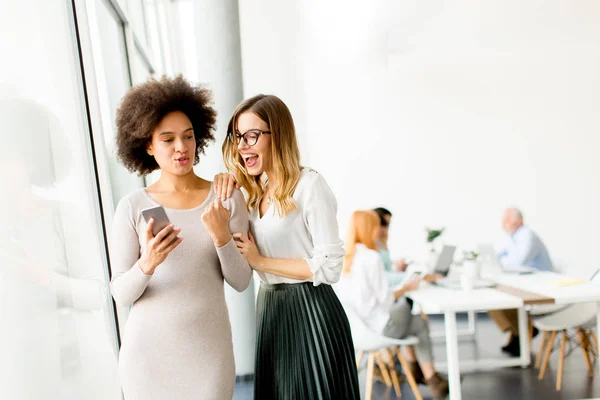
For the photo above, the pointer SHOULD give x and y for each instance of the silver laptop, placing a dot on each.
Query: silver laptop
(489, 258)
(442, 267)
(488, 255)
(444, 260)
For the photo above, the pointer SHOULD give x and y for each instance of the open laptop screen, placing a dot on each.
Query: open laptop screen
(442, 265)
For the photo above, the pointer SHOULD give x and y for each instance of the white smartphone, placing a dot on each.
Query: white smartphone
(160, 218)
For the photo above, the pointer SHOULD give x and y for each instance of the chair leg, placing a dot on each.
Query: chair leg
(409, 376)
(530, 319)
(592, 341)
(585, 344)
(359, 357)
(393, 372)
(538, 356)
(383, 369)
(593, 335)
(547, 355)
(593, 350)
(370, 372)
(561, 361)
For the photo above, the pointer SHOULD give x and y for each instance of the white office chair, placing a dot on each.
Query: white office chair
(374, 344)
(539, 310)
(581, 318)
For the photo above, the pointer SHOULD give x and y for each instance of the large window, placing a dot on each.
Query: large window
(125, 39)
(126, 44)
(115, 79)
(67, 66)
(58, 338)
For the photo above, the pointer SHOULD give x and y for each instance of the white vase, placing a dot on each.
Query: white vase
(470, 268)
(466, 281)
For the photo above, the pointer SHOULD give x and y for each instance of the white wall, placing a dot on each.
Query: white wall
(444, 113)
(273, 54)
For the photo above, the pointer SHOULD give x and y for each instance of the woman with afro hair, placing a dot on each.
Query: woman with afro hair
(177, 341)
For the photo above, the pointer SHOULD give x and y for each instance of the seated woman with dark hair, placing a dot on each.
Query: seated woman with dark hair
(385, 219)
(365, 288)
(394, 269)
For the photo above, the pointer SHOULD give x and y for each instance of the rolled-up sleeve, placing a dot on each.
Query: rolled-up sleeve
(321, 218)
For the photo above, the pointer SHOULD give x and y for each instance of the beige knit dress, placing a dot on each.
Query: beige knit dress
(177, 341)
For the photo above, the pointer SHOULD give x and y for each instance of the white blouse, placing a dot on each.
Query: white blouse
(366, 288)
(310, 232)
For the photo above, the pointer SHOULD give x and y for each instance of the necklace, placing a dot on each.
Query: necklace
(268, 198)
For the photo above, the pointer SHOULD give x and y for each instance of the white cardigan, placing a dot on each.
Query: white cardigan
(366, 288)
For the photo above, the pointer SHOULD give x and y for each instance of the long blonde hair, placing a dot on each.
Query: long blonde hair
(285, 155)
(364, 229)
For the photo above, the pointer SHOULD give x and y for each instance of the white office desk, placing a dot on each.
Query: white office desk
(433, 299)
(544, 284)
(437, 299)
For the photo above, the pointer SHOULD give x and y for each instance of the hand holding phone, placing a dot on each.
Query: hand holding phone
(159, 242)
(409, 278)
(412, 283)
(159, 216)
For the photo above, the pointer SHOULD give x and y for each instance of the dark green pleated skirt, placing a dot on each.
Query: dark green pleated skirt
(304, 346)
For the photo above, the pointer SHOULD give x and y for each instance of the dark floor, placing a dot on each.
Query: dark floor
(506, 383)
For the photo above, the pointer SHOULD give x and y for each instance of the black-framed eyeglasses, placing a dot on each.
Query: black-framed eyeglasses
(250, 137)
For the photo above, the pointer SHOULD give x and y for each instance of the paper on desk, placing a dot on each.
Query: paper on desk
(568, 282)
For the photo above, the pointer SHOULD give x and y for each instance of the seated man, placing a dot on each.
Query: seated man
(524, 248)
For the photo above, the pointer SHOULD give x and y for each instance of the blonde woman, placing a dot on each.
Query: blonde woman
(364, 286)
(304, 347)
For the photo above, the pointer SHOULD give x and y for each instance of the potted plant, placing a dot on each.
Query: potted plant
(432, 235)
(470, 263)
(431, 238)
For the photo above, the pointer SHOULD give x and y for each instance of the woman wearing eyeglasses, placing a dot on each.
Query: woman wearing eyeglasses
(304, 347)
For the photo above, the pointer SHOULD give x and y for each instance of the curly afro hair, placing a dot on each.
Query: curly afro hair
(145, 105)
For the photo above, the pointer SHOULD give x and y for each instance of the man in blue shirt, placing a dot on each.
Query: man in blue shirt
(523, 249)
